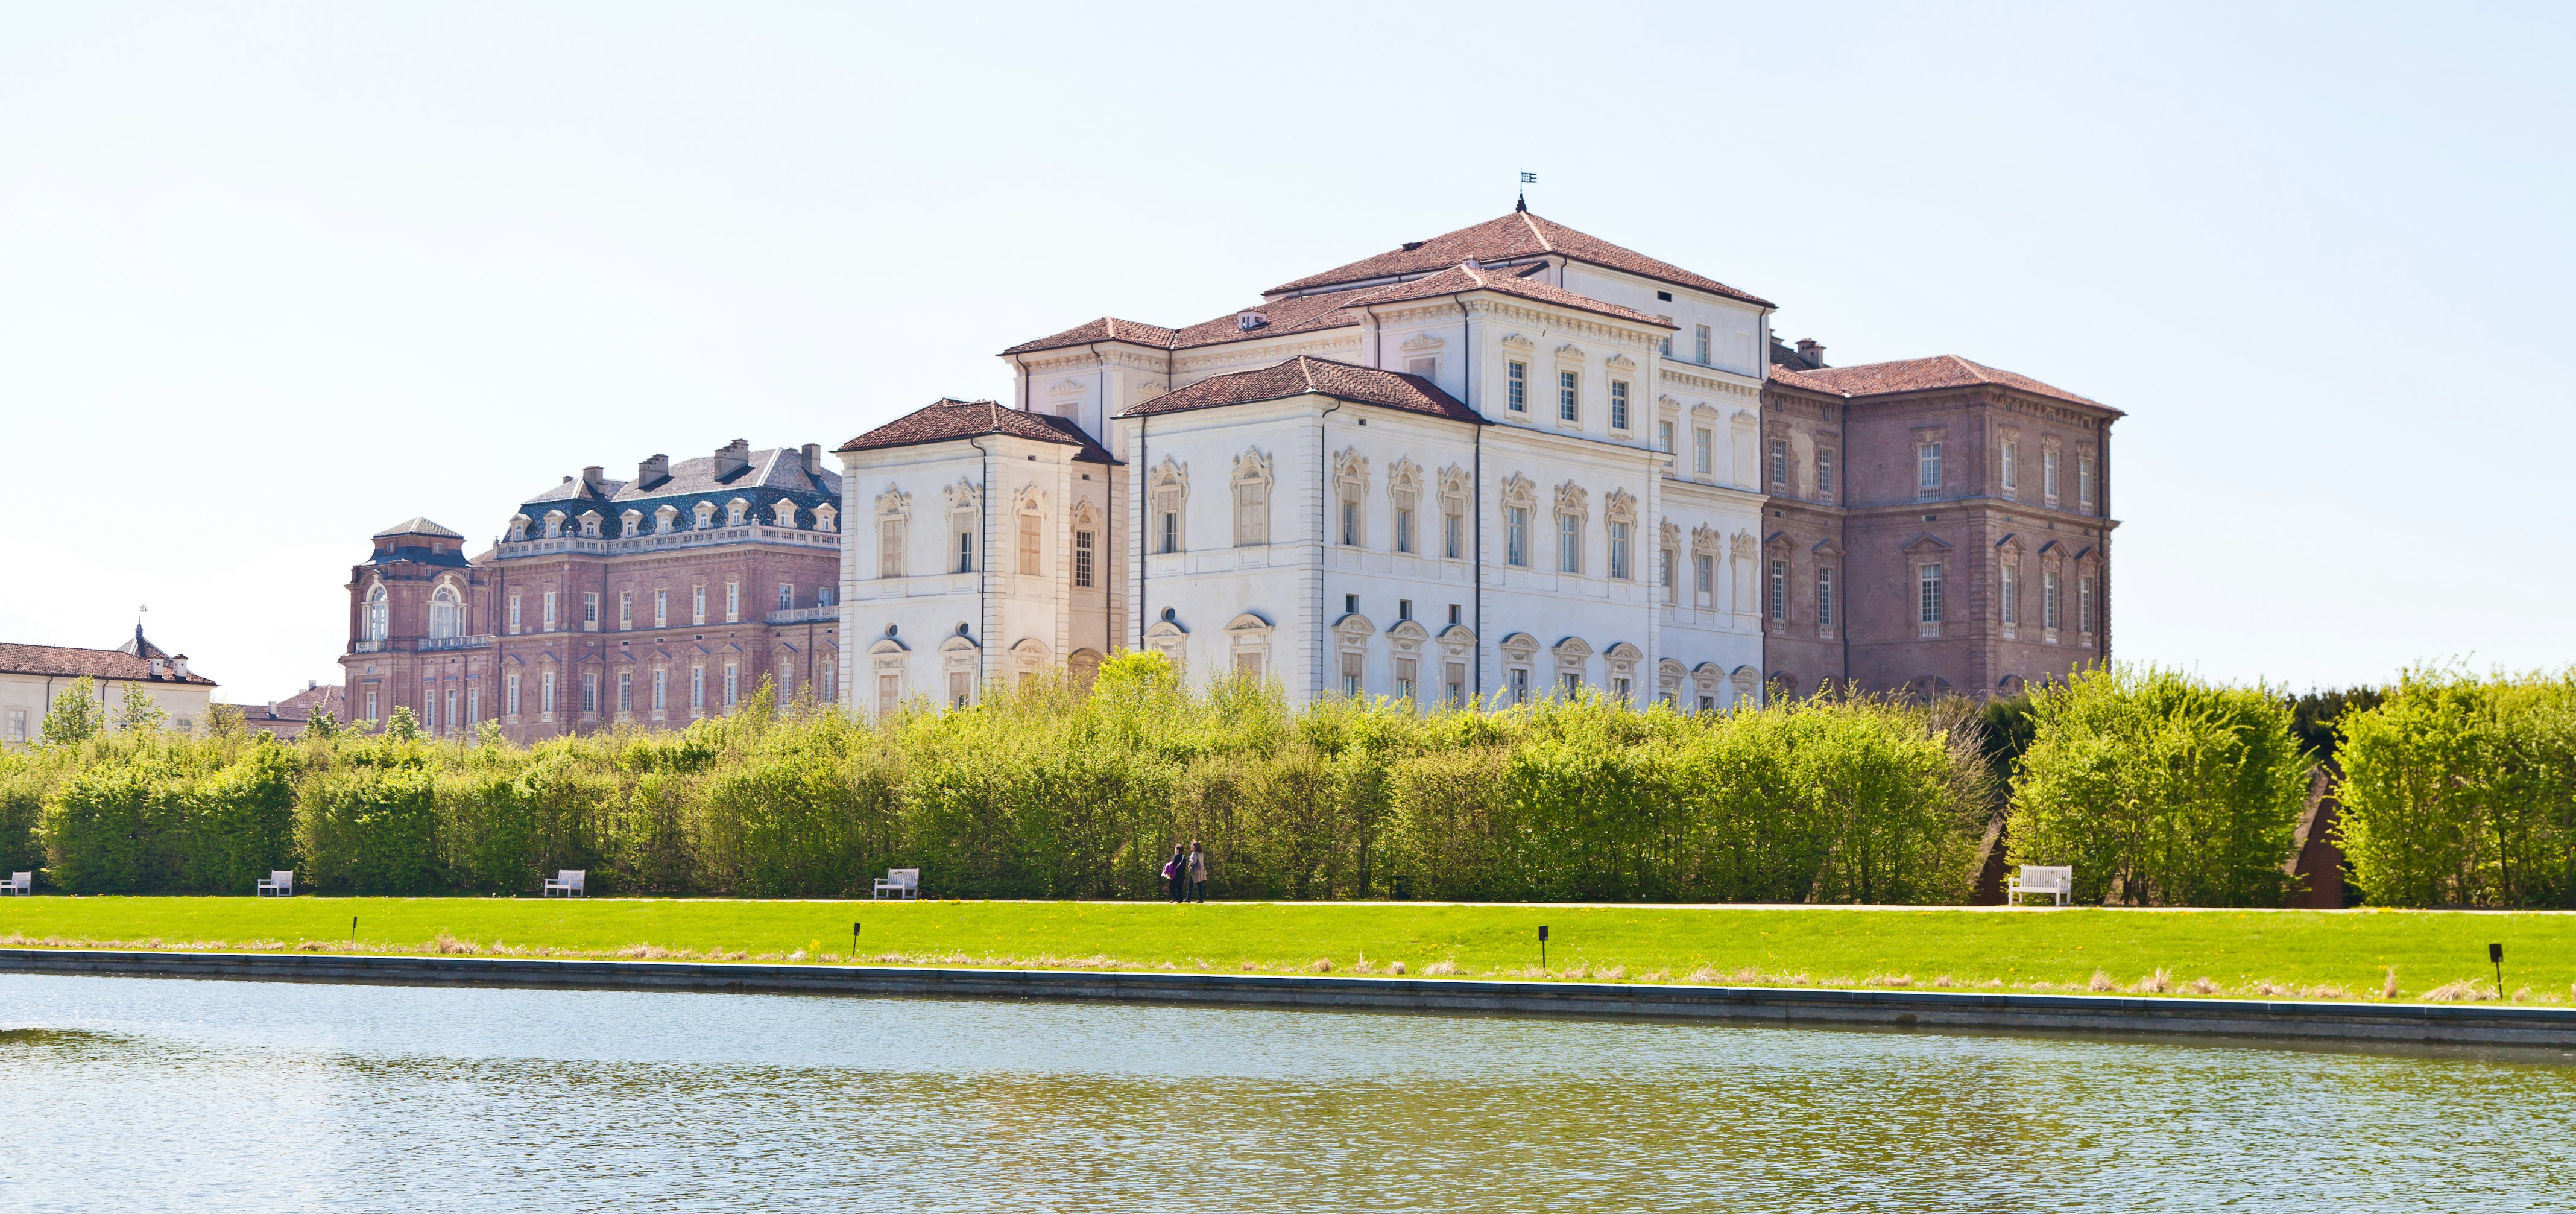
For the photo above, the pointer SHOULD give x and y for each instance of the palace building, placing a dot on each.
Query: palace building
(1507, 462)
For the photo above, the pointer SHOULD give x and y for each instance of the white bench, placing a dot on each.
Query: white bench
(901, 882)
(281, 882)
(2057, 881)
(21, 884)
(568, 882)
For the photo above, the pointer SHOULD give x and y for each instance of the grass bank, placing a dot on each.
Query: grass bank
(2334, 955)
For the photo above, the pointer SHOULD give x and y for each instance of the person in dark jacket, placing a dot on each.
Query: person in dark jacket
(1176, 872)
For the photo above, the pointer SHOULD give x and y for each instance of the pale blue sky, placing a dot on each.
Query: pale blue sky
(273, 277)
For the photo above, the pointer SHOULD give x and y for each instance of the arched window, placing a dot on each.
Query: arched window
(446, 614)
(379, 614)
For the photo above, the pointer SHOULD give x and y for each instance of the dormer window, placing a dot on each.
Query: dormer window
(737, 512)
(666, 518)
(518, 528)
(705, 514)
(824, 516)
(590, 522)
(783, 513)
(554, 524)
(1249, 319)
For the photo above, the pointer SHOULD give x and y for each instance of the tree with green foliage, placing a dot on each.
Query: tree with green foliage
(402, 726)
(2461, 791)
(137, 710)
(76, 715)
(2160, 789)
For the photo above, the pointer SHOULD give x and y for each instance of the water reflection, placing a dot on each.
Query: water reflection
(131, 1093)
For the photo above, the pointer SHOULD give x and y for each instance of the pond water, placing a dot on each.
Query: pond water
(129, 1094)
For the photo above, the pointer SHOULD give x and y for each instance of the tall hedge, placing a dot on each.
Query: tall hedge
(2160, 789)
(2461, 791)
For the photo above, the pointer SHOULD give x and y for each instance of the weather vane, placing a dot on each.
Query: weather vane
(1527, 178)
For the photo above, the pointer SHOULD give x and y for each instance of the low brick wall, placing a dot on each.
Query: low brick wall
(2445, 1024)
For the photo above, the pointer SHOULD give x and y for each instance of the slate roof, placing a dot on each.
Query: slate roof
(948, 419)
(416, 526)
(1519, 234)
(1920, 375)
(131, 663)
(779, 470)
(1302, 375)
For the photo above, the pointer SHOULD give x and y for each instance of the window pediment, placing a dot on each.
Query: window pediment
(1519, 491)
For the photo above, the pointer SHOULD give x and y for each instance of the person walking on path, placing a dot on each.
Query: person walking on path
(1176, 873)
(1197, 872)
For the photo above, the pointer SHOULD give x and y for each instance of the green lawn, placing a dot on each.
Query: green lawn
(2308, 953)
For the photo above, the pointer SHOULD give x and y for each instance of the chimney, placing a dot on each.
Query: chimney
(733, 457)
(653, 471)
(310, 684)
(1249, 319)
(180, 664)
(593, 480)
(156, 667)
(1811, 350)
(814, 460)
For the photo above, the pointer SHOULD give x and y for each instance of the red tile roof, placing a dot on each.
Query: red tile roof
(63, 661)
(1302, 375)
(1462, 278)
(1107, 328)
(1519, 234)
(947, 419)
(1919, 375)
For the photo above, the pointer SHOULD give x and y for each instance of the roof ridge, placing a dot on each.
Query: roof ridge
(1531, 221)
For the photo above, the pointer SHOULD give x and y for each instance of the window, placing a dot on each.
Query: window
(661, 690)
(1824, 598)
(1927, 467)
(1664, 437)
(546, 694)
(1456, 683)
(733, 685)
(2084, 481)
(661, 607)
(1704, 578)
(514, 615)
(1824, 476)
(1426, 366)
(824, 682)
(17, 724)
(961, 689)
(625, 692)
(1703, 345)
(1708, 703)
(1569, 396)
(733, 602)
(2008, 466)
(889, 689)
(473, 704)
(1251, 512)
(1516, 536)
(514, 700)
(1780, 464)
(1404, 672)
(444, 613)
(1619, 551)
(1569, 544)
(1520, 685)
(890, 547)
(1453, 536)
(509, 697)
(1457, 613)
(590, 611)
(1350, 523)
(590, 693)
(825, 596)
(1703, 453)
(1171, 531)
(1780, 590)
(786, 597)
(1570, 684)
(550, 611)
(697, 604)
(966, 552)
(2008, 591)
(625, 610)
(2048, 473)
(1618, 404)
(1082, 542)
(1516, 386)
(1404, 528)
(2048, 600)
(1404, 609)
(1928, 595)
(1029, 545)
(697, 688)
(1351, 672)
(1664, 572)
(2084, 604)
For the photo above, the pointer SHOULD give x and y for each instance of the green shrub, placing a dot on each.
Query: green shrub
(370, 828)
(114, 828)
(2460, 791)
(2160, 789)
(240, 822)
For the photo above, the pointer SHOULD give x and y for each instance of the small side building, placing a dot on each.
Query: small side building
(32, 675)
